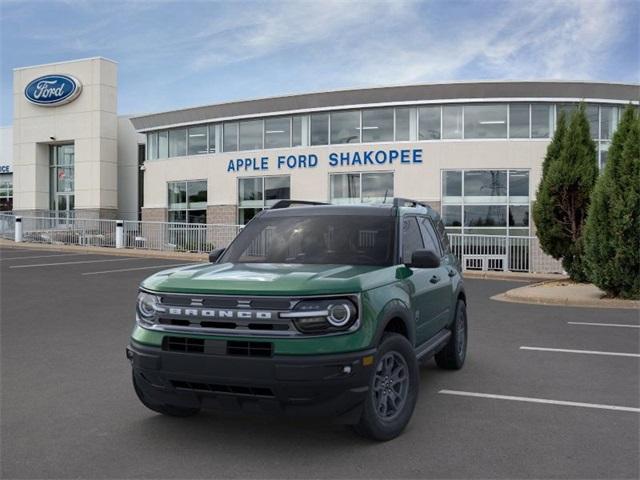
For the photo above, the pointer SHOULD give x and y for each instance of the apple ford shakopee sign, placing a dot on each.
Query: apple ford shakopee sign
(53, 90)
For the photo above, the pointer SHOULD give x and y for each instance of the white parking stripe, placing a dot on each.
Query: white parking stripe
(128, 259)
(622, 325)
(42, 256)
(139, 268)
(588, 352)
(542, 400)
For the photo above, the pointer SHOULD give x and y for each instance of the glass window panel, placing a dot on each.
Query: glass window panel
(377, 125)
(482, 231)
(485, 185)
(178, 216)
(197, 194)
(541, 120)
(276, 188)
(212, 138)
(246, 214)
(230, 137)
(451, 184)
(277, 132)
(296, 131)
(152, 146)
(345, 188)
(592, 116)
(178, 142)
(429, 236)
(197, 216)
(608, 122)
(177, 195)
(64, 179)
(452, 215)
(604, 153)
(163, 144)
(485, 121)
(403, 124)
(567, 108)
(429, 123)
(519, 120)
(197, 140)
(485, 216)
(320, 129)
(345, 127)
(518, 186)
(519, 216)
(376, 187)
(452, 121)
(251, 135)
(251, 192)
(411, 238)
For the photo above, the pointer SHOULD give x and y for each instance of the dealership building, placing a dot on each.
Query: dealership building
(473, 150)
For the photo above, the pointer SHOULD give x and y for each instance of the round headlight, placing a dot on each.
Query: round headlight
(147, 305)
(339, 314)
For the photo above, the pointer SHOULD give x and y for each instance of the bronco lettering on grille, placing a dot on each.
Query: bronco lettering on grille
(214, 313)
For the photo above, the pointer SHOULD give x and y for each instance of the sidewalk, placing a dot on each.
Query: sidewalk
(127, 252)
(566, 293)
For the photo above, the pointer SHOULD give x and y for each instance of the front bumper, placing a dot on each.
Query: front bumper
(321, 385)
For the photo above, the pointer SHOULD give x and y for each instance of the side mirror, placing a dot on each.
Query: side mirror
(424, 259)
(215, 255)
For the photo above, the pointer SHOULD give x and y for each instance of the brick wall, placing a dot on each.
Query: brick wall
(154, 214)
(222, 214)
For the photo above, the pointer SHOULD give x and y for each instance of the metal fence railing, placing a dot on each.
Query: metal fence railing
(186, 237)
(476, 252)
(502, 253)
(7, 226)
(69, 231)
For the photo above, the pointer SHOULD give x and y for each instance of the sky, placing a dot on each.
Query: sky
(176, 54)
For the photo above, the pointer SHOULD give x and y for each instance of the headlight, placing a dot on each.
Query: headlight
(146, 307)
(323, 315)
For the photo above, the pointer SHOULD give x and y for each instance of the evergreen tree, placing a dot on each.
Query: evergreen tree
(612, 233)
(563, 197)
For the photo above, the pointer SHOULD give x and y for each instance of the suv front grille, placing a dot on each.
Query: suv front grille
(228, 389)
(217, 347)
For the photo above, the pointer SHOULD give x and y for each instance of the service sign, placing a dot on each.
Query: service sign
(53, 90)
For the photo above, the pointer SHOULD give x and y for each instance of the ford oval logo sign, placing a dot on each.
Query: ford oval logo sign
(53, 90)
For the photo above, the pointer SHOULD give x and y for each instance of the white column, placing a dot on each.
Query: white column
(18, 230)
(119, 234)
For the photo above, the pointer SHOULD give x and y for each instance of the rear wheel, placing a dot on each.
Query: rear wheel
(393, 390)
(165, 409)
(453, 355)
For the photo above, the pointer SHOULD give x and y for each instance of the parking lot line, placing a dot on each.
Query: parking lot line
(41, 256)
(541, 400)
(588, 352)
(622, 325)
(74, 263)
(140, 268)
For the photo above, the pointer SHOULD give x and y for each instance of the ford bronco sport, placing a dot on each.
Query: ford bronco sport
(313, 309)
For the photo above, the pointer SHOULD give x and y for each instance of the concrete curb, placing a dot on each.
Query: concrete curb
(126, 252)
(514, 276)
(571, 295)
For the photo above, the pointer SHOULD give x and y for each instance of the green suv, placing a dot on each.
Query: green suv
(314, 309)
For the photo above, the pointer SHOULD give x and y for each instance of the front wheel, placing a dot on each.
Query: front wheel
(453, 355)
(393, 390)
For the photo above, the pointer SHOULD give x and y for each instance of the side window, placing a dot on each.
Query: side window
(411, 238)
(430, 237)
(444, 239)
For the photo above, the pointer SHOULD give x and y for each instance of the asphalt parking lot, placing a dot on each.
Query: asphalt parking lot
(68, 409)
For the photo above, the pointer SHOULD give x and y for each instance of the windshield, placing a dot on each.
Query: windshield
(315, 239)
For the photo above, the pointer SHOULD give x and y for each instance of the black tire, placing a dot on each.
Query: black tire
(165, 409)
(385, 425)
(453, 355)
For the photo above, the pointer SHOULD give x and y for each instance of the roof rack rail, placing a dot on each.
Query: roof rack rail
(295, 203)
(406, 202)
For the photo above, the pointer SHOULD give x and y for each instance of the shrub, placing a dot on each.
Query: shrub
(612, 242)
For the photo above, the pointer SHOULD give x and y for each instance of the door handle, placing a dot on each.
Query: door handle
(452, 272)
(435, 279)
